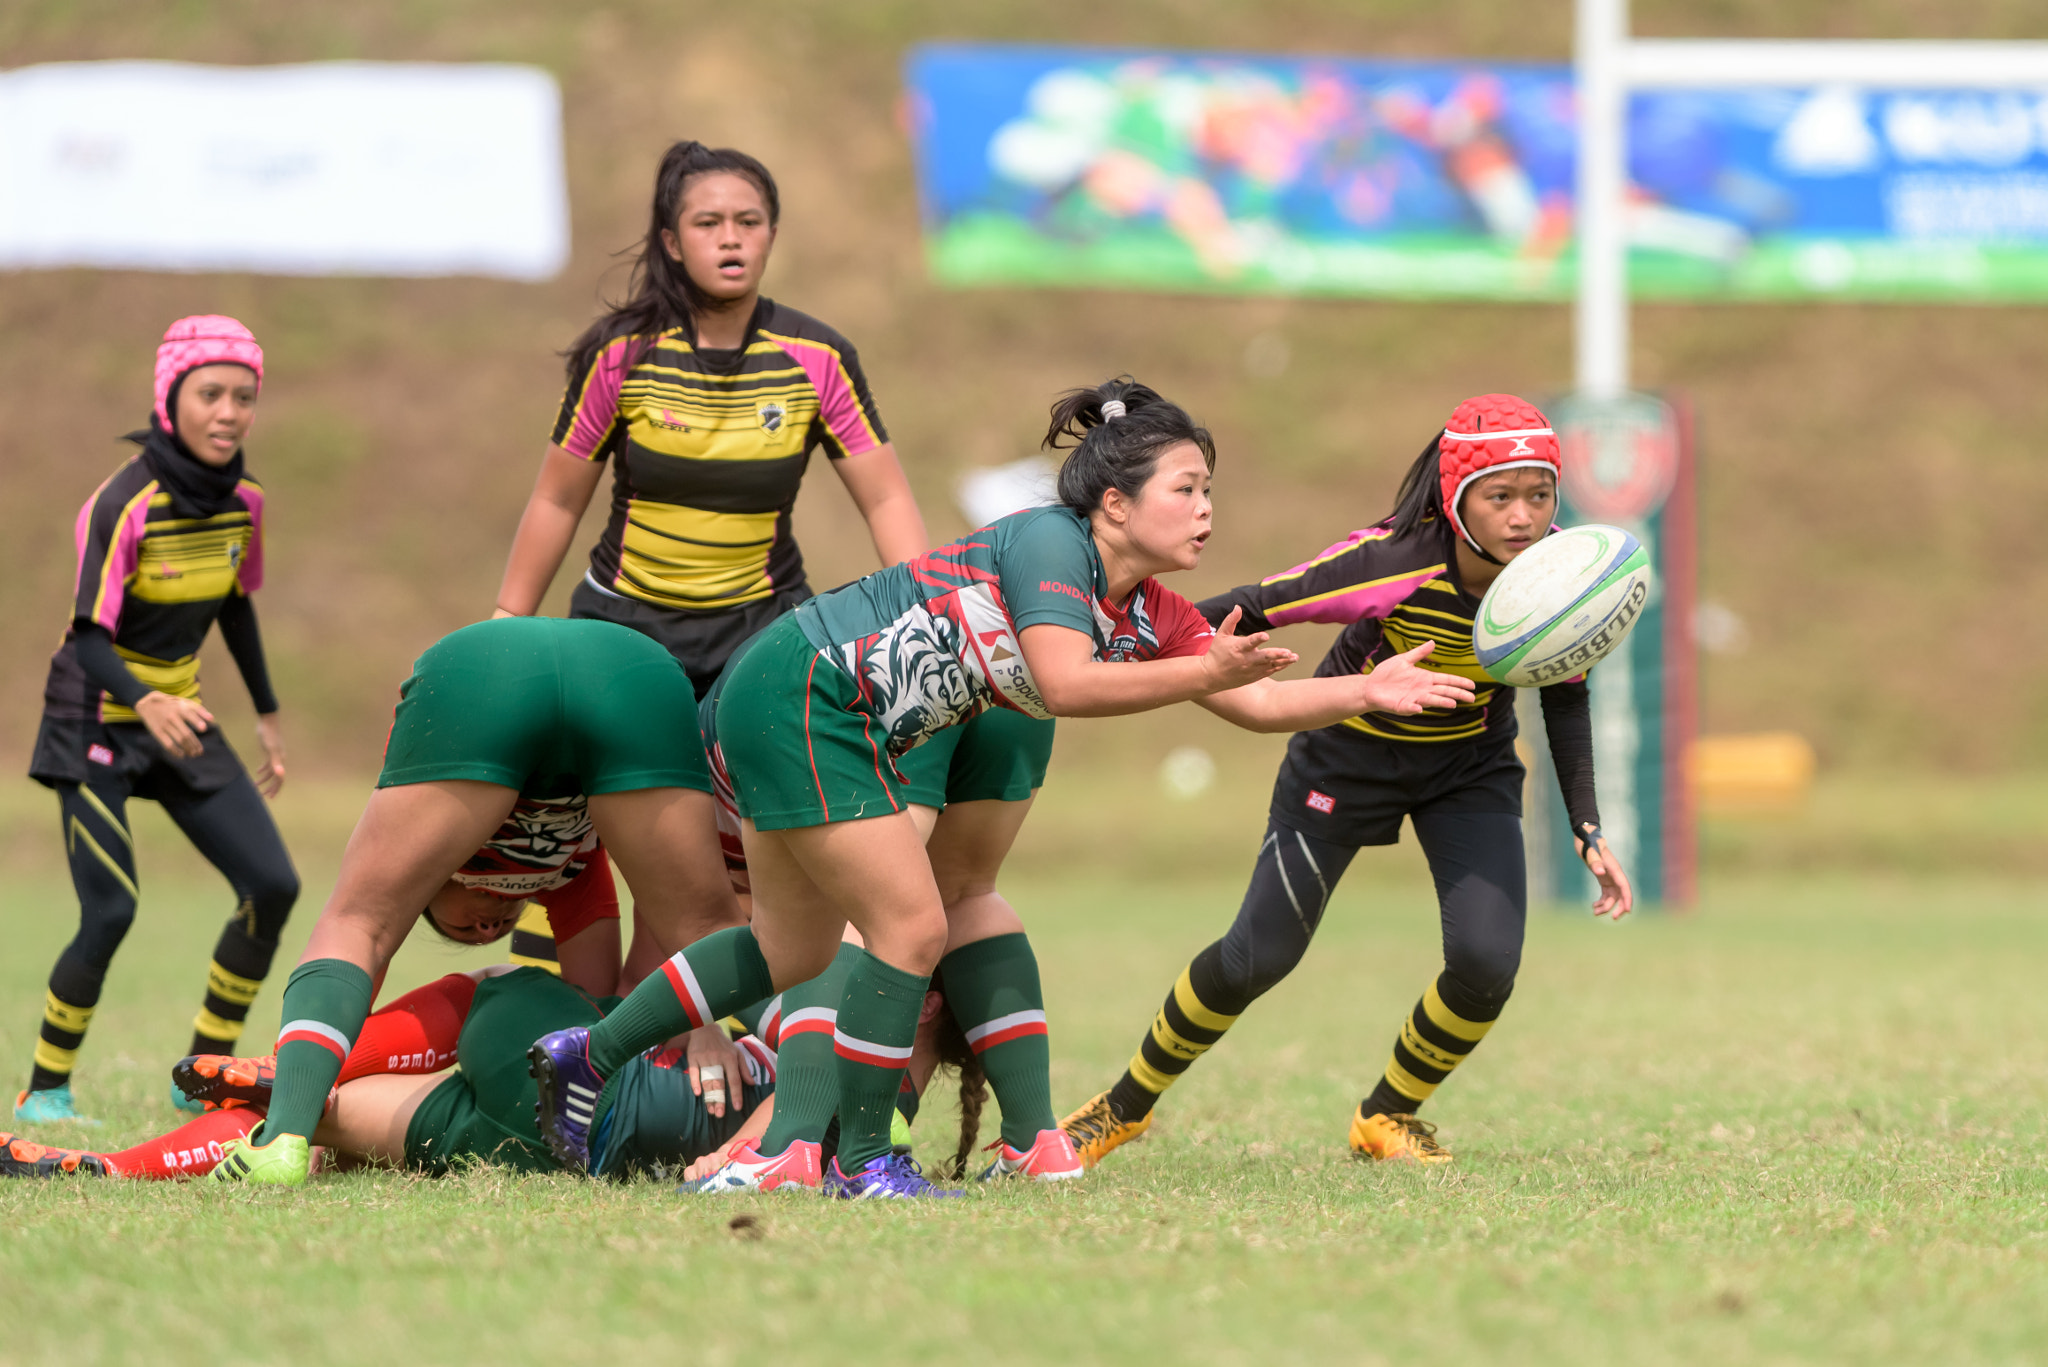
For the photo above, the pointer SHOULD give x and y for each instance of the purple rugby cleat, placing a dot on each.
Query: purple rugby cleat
(892, 1177)
(569, 1087)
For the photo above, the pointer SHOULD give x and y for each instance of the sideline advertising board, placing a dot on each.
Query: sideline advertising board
(1331, 175)
(332, 168)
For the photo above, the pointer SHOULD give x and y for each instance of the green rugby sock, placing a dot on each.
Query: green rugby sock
(711, 979)
(806, 1072)
(992, 989)
(325, 1004)
(877, 1025)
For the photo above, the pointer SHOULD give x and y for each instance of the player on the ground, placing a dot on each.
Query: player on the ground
(820, 705)
(1482, 492)
(388, 1108)
(534, 705)
(172, 543)
(708, 400)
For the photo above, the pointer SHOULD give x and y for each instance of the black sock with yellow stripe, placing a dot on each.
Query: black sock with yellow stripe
(1195, 1015)
(65, 1018)
(1439, 1034)
(241, 962)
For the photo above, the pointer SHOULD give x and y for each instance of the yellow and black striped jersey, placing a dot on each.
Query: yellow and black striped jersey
(708, 449)
(155, 582)
(1391, 594)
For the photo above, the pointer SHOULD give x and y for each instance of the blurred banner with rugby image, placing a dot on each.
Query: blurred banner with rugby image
(1329, 175)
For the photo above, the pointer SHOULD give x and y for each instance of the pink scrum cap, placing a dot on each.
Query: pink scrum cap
(203, 339)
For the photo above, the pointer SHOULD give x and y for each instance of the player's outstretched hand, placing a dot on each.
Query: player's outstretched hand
(1403, 687)
(715, 1070)
(1234, 661)
(270, 778)
(1617, 899)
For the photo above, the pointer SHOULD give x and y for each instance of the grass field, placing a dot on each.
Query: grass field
(1803, 1124)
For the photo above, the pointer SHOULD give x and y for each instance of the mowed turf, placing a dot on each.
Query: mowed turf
(1804, 1124)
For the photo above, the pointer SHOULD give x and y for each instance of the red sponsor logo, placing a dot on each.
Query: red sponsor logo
(1055, 586)
(99, 754)
(1322, 802)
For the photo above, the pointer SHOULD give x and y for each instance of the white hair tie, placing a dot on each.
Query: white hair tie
(1112, 408)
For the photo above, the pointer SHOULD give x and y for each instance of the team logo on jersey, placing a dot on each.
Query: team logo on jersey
(771, 417)
(235, 552)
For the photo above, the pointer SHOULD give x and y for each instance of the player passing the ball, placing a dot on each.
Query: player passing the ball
(1483, 491)
(169, 545)
(816, 710)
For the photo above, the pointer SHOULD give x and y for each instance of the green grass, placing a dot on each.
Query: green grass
(1802, 1124)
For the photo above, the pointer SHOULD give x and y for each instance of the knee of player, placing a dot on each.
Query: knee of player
(1476, 985)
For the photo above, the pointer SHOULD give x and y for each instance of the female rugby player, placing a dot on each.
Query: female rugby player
(708, 400)
(501, 708)
(388, 1107)
(1483, 491)
(169, 545)
(816, 710)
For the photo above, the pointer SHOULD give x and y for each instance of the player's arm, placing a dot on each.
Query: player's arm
(1399, 685)
(584, 916)
(1076, 684)
(881, 491)
(553, 511)
(1568, 723)
(1354, 578)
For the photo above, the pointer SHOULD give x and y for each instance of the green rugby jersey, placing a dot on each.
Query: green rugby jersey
(934, 641)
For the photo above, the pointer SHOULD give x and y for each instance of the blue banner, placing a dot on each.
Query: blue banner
(1079, 167)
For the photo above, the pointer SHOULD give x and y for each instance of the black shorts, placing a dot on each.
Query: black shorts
(77, 750)
(701, 641)
(1349, 788)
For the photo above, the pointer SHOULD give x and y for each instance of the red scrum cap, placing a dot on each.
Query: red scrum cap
(1489, 433)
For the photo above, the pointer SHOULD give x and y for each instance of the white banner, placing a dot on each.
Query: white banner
(335, 168)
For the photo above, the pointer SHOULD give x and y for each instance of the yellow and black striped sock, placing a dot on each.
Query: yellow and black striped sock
(240, 964)
(1190, 1022)
(1434, 1040)
(533, 940)
(58, 1041)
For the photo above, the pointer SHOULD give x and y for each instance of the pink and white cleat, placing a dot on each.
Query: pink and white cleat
(795, 1168)
(1051, 1158)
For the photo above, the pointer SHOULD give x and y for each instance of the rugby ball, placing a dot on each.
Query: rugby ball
(1562, 605)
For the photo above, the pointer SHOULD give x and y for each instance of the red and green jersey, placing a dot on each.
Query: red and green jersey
(934, 641)
(708, 449)
(155, 582)
(547, 850)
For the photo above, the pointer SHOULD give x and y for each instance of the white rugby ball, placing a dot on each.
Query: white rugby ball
(1562, 605)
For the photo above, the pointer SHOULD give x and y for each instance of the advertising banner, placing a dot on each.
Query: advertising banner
(334, 168)
(1327, 175)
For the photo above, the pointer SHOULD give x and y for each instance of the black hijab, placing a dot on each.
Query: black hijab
(196, 488)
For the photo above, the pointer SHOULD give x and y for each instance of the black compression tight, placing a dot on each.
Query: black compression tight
(233, 829)
(1477, 863)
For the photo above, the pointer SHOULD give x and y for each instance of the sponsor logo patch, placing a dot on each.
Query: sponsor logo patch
(99, 754)
(1055, 586)
(1321, 802)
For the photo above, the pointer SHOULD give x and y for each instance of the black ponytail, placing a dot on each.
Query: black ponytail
(1420, 503)
(660, 294)
(1118, 453)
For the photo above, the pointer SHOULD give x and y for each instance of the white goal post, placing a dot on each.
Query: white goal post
(1609, 65)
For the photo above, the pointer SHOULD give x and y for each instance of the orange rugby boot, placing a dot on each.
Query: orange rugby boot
(219, 1081)
(1397, 1138)
(25, 1158)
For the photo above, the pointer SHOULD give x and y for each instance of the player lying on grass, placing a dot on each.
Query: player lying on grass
(389, 1109)
(525, 704)
(822, 703)
(1482, 492)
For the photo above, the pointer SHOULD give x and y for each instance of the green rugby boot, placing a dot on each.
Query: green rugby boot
(283, 1162)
